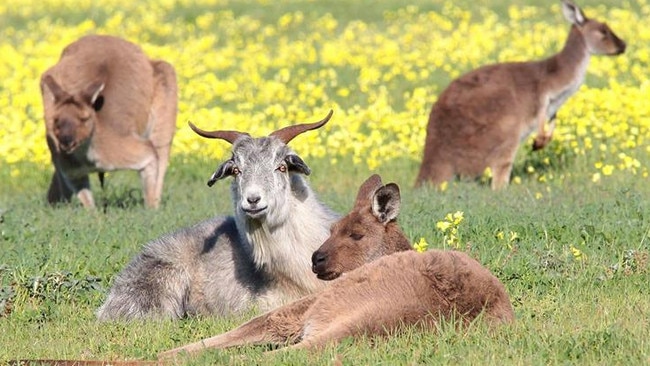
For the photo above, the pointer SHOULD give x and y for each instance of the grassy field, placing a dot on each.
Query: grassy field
(568, 238)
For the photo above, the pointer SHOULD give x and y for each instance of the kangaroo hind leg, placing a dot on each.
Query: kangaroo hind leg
(280, 326)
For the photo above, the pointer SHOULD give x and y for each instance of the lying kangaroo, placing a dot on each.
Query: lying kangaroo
(368, 232)
(480, 119)
(108, 107)
(379, 298)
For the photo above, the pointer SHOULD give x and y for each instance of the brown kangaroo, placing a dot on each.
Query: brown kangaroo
(368, 232)
(480, 119)
(108, 107)
(379, 298)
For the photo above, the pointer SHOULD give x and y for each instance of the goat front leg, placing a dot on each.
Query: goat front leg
(544, 136)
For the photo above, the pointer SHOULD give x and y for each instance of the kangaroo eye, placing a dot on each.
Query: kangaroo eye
(356, 236)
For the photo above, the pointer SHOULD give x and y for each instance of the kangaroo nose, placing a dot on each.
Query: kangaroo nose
(253, 199)
(66, 140)
(317, 259)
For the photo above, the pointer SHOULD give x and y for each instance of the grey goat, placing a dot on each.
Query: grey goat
(260, 258)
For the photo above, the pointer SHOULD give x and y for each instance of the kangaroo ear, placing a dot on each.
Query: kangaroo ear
(224, 170)
(51, 89)
(368, 190)
(573, 13)
(386, 203)
(295, 163)
(92, 95)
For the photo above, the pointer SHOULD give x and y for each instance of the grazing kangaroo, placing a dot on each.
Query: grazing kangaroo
(480, 119)
(260, 257)
(108, 107)
(379, 298)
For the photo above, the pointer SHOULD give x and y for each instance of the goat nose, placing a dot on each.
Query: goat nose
(253, 199)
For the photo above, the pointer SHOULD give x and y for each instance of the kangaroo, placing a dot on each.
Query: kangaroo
(108, 107)
(368, 232)
(481, 118)
(381, 297)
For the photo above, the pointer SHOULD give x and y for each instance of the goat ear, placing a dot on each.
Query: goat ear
(224, 170)
(295, 163)
(367, 190)
(573, 13)
(386, 203)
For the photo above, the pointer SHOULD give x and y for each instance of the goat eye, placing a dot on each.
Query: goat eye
(282, 168)
(356, 236)
(236, 171)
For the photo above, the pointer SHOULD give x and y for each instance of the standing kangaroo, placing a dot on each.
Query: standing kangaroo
(379, 298)
(480, 119)
(108, 107)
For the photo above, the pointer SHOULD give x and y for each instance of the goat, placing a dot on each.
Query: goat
(480, 119)
(108, 107)
(381, 297)
(226, 265)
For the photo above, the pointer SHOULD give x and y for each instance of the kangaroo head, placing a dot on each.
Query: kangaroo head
(368, 232)
(72, 120)
(600, 39)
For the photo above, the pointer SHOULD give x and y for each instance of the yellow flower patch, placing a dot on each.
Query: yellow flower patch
(381, 78)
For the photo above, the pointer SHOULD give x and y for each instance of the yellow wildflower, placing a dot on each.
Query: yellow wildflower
(577, 254)
(443, 225)
(421, 246)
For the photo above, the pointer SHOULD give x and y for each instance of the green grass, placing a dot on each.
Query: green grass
(56, 264)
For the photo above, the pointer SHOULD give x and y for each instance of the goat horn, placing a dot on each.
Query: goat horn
(229, 136)
(287, 134)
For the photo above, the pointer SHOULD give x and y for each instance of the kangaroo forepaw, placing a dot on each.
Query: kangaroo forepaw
(539, 144)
